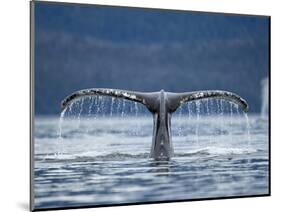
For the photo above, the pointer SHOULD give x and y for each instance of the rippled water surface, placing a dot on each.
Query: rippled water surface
(106, 160)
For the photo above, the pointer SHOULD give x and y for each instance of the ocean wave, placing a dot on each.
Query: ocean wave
(115, 156)
(218, 151)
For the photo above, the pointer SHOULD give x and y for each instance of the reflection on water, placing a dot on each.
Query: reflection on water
(106, 160)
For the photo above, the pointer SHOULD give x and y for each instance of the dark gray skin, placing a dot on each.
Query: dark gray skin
(161, 105)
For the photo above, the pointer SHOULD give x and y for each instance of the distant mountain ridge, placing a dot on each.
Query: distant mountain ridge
(78, 47)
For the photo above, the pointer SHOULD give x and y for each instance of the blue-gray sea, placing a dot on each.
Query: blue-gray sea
(97, 160)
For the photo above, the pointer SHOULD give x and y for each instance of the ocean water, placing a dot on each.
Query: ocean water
(99, 160)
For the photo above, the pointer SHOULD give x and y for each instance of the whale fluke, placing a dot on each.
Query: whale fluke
(102, 92)
(146, 98)
(177, 99)
(161, 104)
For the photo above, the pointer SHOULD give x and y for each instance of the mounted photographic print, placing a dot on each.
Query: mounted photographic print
(140, 106)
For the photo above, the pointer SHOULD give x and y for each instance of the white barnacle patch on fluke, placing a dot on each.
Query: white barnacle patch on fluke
(209, 93)
(199, 94)
(228, 96)
(128, 95)
(117, 93)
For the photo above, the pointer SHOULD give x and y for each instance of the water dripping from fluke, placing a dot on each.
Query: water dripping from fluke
(91, 99)
(231, 122)
(159, 104)
(136, 115)
(248, 130)
(221, 120)
(208, 119)
(70, 108)
(102, 106)
(60, 124)
(60, 137)
(197, 104)
(80, 111)
(180, 123)
(189, 111)
(207, 108)
(111, 106)
(91, 106)
(123, 108)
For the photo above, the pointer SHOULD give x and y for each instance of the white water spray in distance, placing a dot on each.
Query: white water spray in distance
(264, 97)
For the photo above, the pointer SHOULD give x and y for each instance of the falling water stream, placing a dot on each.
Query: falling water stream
(60, 138)
(180, 117)
(101, 107)
(80, 111)
(248, 129)
(197, 104)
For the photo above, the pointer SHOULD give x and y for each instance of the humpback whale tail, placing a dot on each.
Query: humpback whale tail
(161, 104)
